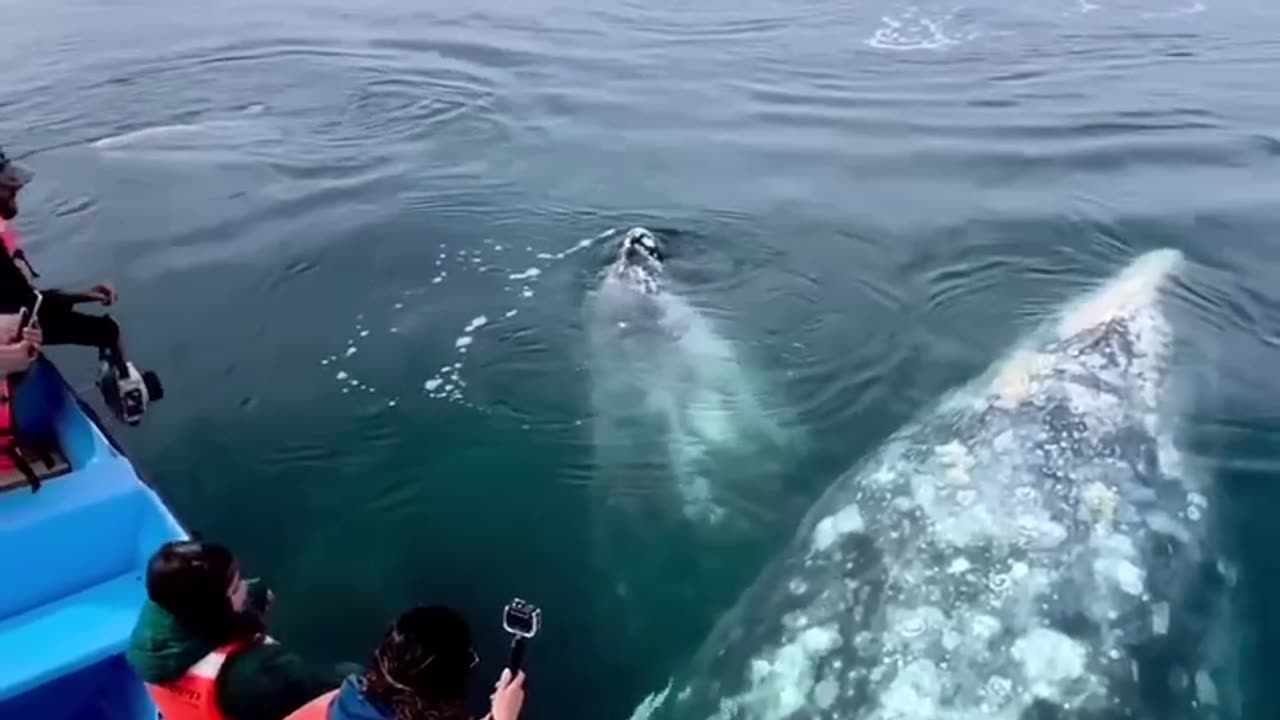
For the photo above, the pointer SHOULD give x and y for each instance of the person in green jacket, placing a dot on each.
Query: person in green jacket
(198, 606)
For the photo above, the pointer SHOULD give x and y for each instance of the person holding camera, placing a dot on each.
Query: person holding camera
(17, 290)
(421, 671)
(126, 390)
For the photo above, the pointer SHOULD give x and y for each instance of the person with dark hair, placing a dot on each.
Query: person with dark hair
(421, 671)
(201, 644)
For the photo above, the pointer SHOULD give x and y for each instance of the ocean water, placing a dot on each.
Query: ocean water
(357, 241)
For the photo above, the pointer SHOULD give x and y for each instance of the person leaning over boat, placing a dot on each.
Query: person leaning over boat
(201, 645)
(419, 672)
(61, 322)
(126, 390)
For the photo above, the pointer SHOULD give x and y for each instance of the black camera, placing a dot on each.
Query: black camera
(128, 392)
(522, 619)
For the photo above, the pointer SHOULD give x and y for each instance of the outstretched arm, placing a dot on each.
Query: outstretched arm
(101, 293)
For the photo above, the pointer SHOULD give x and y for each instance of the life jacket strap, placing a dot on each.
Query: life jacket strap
(20, 256)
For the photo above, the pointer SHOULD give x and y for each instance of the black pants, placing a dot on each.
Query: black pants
(62, 324)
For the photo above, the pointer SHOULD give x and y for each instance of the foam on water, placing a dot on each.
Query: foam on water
(348, 382)
(449, 382)
(914, 30)
(1083, 7)
(1192, 8)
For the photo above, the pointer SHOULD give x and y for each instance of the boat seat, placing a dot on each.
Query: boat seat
(55, 465)
(36, 647)
(75, 533)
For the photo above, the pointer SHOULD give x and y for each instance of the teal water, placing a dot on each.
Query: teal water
(869, 200)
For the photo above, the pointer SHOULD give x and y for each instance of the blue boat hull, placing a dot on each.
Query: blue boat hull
(72, 567)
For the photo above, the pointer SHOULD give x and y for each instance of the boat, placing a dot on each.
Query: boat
(75, 538)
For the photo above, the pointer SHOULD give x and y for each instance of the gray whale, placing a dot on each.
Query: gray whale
(1014, 554)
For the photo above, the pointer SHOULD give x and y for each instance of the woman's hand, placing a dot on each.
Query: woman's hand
(508, 696)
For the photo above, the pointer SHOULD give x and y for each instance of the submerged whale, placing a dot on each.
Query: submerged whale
(671, 398)
(689, 459)
(241, 135)
(1030, 549)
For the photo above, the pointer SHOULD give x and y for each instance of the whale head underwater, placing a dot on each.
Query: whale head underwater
(1027, 550)
(669, 388)
(639, 263)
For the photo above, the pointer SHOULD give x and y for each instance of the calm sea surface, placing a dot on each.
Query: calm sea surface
(357, 240)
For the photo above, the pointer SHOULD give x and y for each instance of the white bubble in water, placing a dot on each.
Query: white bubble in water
(462, 342)
(342, 375)
(985, 626)
(432, 384)
(824, 694)
(1206, 691)
(1160, 618)
(1050, 661)
(913, 626)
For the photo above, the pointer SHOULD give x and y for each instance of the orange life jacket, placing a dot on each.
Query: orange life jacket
(317, 709)
(13, 248)
(7, 439)
(192, 696)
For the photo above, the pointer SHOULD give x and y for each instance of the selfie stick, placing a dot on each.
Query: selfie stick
(522, 619)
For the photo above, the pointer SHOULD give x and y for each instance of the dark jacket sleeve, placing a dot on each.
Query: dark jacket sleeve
(267, 682)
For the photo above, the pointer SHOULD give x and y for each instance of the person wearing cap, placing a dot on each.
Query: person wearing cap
(13, 177)
(421, 671)
(61, 323)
